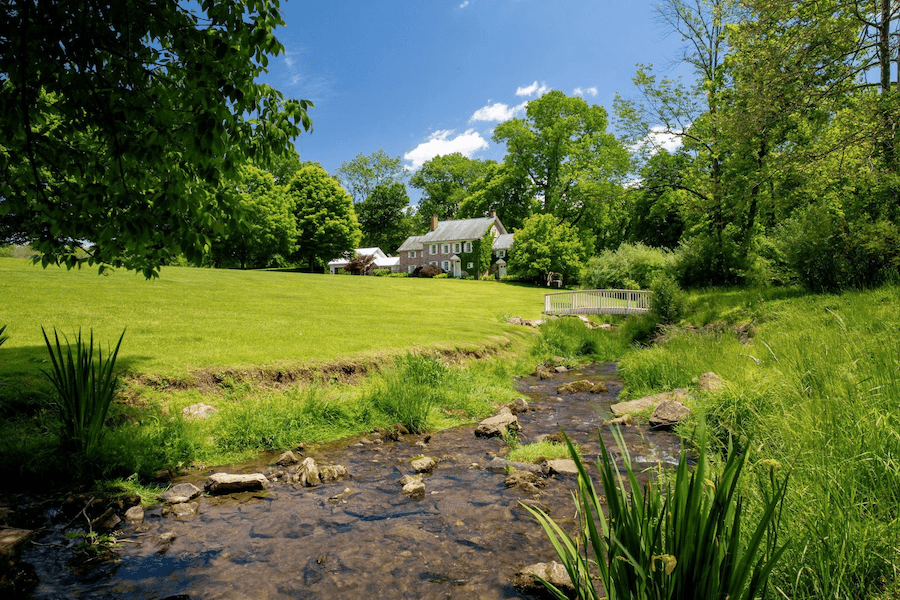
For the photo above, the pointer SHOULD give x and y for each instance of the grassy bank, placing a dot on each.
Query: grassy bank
(191, 319)
(816, 389)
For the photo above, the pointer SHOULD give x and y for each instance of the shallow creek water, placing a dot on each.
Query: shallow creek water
(465, 539)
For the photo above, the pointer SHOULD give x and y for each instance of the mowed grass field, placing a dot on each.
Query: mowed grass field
(190, 319)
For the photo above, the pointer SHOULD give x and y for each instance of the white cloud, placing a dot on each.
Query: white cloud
(464, 4)
(660, 139)
(498, 112)
(441, 143)
(591, 91)
(532, 89)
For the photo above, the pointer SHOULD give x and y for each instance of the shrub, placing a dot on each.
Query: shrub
(714, 259)
(667, 303)
(442, 276)
(427, 271)
(84, 390)
(826, 252)
(381, 272)
(683, 542)
(630, 266)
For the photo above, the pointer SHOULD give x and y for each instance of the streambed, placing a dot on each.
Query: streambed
(466, 539)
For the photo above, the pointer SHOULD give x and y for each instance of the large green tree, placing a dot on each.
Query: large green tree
(365, 172)
(445, 181)
(266, 231)
(562, 151)
(544, 246)
(384, 217)
(327, 225)
(500, 190)
(121, 123)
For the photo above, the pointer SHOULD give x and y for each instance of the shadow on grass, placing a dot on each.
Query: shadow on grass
(22, 380)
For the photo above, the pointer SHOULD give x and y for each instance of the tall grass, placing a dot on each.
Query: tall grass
(410, 391)
(690, 539)
(569, 338)
(818, 391)
(153, 434)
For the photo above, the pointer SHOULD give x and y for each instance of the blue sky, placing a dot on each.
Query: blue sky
(419, 78)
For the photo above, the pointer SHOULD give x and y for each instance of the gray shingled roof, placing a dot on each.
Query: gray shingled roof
(461, 230)
(503, 242)
(413, 242)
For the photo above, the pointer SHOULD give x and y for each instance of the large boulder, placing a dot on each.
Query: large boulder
(180, 511)
(668, 414)
(229, 483)
(413, 486)
(287, 459)
(183, 492)
(526, 580)
(525, 481)
(575, 387)
(498, 425)
(542, 372)
(333, 472)
(423, 464)
(642, 404)
(560, 466)
(134, 515)
(518, 406)
(309, 473)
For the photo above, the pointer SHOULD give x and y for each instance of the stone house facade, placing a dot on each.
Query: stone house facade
(453, 245)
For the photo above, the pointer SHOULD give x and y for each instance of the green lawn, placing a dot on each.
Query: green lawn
(190, 319)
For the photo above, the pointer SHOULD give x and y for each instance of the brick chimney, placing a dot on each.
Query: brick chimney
(434, 222)
(493, 214)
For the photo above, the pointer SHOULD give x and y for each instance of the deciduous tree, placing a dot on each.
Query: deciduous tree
(544, 246)
(383, 217)
(365, 172)
(327, 226)
(121, 123)
(265, 233)
(445, 182)
(562, 151)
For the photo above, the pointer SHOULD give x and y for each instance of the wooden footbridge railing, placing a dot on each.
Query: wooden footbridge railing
(597, 302)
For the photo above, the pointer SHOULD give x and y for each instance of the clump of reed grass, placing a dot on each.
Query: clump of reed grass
(688, 539)
(410, 391)
(84, 388)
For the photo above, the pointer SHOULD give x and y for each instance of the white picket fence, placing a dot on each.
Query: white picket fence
(597, 302)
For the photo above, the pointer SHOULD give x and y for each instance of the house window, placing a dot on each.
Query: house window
(470, 266)
(501, 253)
(446, 249)
(468, 246)
(457, 247)
(411, 269)
(434, 262)
(433, 248)
(445, 265)
(412, 253)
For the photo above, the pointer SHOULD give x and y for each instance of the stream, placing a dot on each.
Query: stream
(466, 539)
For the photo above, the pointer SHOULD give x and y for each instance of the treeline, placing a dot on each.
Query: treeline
(774, 160)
